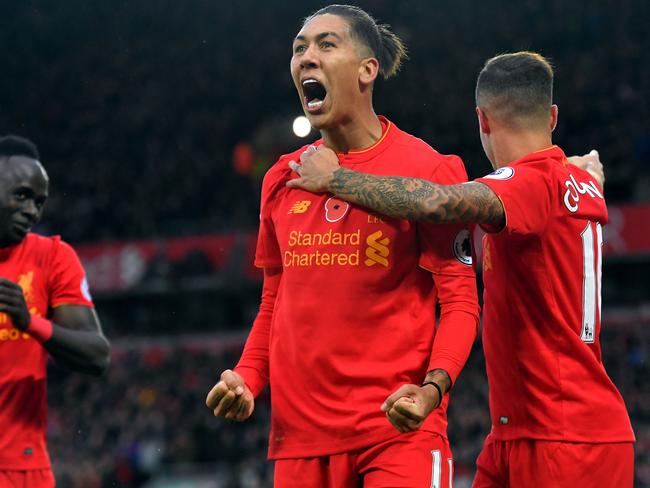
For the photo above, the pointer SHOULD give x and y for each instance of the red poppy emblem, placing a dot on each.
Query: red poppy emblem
(335, 209)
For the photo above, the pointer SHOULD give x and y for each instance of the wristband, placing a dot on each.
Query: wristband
(40, 329)
(437, 387)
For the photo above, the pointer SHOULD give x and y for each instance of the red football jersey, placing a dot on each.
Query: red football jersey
(541, 316)
(354, 316)
(51, 275)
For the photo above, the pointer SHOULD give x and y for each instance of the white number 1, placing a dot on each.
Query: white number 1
(591, 287)
(436, 470)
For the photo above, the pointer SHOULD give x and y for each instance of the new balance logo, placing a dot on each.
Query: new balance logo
(300, 207)
(377, 251)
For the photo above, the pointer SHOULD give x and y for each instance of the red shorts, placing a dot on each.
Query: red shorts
(414, 460)
(33, 478)
(548, 464)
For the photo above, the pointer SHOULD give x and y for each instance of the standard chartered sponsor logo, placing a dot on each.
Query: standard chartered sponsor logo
(377, 251)
(319, 258)
(297, 238)
(322, 257)
(335, 249)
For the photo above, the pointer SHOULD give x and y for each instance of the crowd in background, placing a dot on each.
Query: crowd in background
(138, 106)
(149, 413)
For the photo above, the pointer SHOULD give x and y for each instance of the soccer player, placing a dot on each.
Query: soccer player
(557, 418)
(347, 320)
(45, 308)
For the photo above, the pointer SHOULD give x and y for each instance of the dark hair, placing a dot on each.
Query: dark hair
(378, 39)
(12, 145)
(517, 88)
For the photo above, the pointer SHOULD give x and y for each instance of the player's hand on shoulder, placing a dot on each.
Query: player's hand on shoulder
(409, 406)
(590, 163)
(12, 303)
(230, 398)
(315, 169)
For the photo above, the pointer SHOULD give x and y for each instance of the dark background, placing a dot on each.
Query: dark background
(157, 119)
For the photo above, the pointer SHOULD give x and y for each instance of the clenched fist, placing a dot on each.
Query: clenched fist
(410, 405)
(230, 398)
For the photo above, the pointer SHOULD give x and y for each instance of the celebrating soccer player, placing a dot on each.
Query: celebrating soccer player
(557, 418)
(346, 330)
(45, 307)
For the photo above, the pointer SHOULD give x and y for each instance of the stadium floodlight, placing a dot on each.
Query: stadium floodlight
(301, 126)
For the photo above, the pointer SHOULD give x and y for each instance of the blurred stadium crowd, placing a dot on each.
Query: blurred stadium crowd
(137, 106)
(158, 120)
(147, 414)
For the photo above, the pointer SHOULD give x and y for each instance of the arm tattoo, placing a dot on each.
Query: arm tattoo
(417, 199)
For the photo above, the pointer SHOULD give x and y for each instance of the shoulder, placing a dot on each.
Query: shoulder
(451, 165)
(62, 248)
(551, 172)
(424, 158)
(579, 173)
(49, 249)
(42, 246)
(581, 193)
(411, 144)
(542, 170)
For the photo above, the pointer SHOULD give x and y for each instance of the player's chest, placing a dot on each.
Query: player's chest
(33, 281)
(321, 230)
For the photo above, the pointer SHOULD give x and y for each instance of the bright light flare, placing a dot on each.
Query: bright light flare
(301, 126)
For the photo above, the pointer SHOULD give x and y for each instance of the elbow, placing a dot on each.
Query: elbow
(103, 359)
(93, 361)
(98, 364)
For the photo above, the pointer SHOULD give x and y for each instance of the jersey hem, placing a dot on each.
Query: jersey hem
(267, 264)
(62, 304)
(557, 438)
(357, 442)
(17, 466)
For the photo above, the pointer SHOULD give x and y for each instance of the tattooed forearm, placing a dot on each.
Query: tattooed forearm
(416, 199)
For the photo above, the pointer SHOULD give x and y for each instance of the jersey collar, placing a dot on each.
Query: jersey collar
(388, 133)
(551, 152)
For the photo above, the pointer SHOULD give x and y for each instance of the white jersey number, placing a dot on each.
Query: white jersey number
(436, 470)
(591, 265)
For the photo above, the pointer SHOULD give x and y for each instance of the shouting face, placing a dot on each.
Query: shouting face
(326, 69)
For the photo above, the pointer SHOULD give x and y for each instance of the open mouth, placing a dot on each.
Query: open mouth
(314, 93)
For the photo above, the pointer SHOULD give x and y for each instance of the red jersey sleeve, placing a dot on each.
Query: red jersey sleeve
(267, 252)
(525, 192)
(68, 284)
(253, 365)
(459, 318)
(446, 249)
